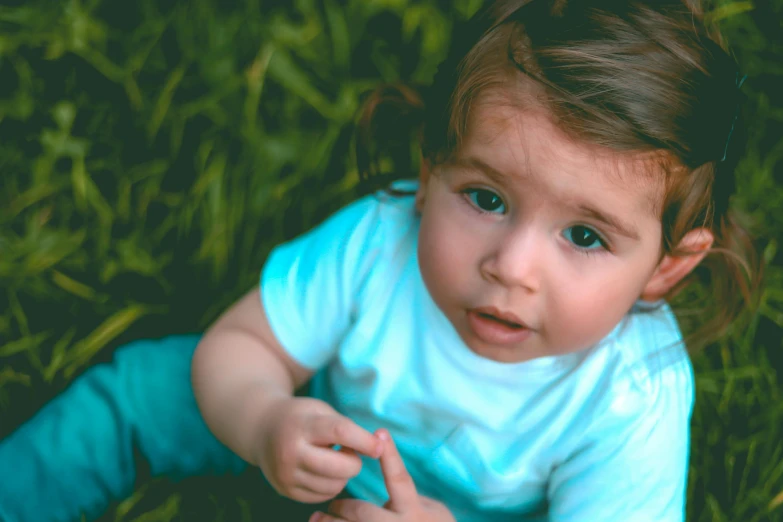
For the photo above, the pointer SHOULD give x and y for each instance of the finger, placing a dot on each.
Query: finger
(403, 496)
(307, 496)
(331, 430)
(343, 464)
(318, 484)
(427, 502)
(325, 517)
(359, 510)
(348, 451)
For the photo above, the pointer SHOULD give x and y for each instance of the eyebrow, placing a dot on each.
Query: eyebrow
(609, 220)
(476, 164)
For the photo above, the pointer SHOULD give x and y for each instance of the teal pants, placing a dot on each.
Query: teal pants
(80, 452)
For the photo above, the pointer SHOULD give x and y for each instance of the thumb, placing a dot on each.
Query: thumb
(403, 496)
(338, 430)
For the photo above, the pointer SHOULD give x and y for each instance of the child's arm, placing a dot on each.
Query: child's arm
(244, 383)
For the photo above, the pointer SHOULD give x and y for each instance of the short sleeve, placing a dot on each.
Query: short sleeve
(633, 462)
(309, 285)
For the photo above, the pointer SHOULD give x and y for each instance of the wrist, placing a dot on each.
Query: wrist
(262, 420)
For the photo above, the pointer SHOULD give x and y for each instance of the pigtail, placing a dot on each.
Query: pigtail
(728, 278)
(730, 274)
(388, 135)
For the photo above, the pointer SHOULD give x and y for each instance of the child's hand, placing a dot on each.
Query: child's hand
(404, 505)
(296, 449)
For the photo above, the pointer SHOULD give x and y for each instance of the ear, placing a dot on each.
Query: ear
(424, 178)
(672, 269)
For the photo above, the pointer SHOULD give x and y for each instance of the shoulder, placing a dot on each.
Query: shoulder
(631, 460)
(389, 220)
(361, 228)
(382, 211)
(367, 240)
(652, 370)
(655, 355)
(397, 207)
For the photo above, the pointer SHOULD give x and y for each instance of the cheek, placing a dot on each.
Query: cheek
(590, 310)
(442, 255)
(583, 326)
(432, 248)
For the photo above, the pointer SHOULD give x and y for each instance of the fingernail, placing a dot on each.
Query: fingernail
(384, 435)
(315, 517)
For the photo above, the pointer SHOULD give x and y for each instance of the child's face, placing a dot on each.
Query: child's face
(558, 236)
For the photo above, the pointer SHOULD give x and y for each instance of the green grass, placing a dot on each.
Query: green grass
(152, 152)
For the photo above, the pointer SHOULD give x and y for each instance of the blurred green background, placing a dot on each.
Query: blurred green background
(152, 152)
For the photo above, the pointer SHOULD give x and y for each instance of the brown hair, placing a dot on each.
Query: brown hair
(633, 76)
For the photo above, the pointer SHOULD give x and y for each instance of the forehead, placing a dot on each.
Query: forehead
(523, 140)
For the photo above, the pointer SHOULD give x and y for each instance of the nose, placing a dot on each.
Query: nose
(515, 260)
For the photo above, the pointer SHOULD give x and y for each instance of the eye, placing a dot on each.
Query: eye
(486, 200)
(584, 238)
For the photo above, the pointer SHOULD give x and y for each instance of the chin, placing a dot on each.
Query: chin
(501, 354)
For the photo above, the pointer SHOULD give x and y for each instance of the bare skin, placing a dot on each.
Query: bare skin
(404, 505)
(244, 384)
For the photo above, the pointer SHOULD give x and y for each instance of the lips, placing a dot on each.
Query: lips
(504, 317)
(493, 326)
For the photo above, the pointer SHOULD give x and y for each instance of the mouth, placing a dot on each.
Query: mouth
(510, 324)
(493, 326)
(505, 318)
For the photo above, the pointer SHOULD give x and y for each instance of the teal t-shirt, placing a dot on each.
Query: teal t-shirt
(598, 435)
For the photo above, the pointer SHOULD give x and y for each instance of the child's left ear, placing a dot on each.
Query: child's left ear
(672, 269)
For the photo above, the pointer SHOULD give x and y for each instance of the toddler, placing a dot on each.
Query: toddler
(502, 318)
